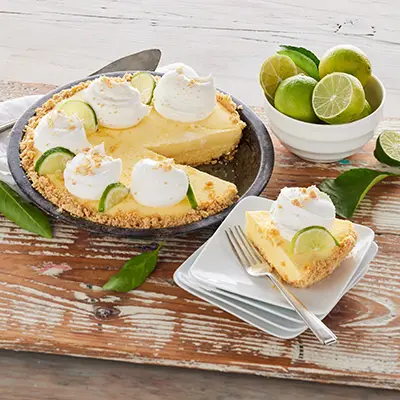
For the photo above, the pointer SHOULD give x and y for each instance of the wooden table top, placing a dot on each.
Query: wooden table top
(49, 298)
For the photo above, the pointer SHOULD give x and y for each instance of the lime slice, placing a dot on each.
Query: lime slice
(113, 194)
(84, 111)
(313, 240)
(338, 98)
(387, 148)
(274, 70)
(192, 198)
(303, 62)
(53, 160)
(145, 83)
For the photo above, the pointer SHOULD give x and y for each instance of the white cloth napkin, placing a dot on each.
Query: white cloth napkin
(10, 110)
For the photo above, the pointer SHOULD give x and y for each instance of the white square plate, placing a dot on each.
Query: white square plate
(262, 319)
(218, 267)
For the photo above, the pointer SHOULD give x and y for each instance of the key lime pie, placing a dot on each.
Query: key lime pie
(121, 150)
(300, 237)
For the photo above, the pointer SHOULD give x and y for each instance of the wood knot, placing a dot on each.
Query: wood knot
(104, 313)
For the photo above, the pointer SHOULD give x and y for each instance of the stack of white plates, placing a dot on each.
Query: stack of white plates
(214, 274)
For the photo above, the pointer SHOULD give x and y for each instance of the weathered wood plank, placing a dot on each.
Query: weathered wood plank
(45, 377)
(56, 42)
(50, 301)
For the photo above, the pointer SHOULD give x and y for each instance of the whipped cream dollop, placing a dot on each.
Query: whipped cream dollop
(90, 172)
(116, 102)
(183, 98)
(57, 129)
(188, 71)
(158, 183)
(296, 208)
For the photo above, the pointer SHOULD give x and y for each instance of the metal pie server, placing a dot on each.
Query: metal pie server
(146, 60)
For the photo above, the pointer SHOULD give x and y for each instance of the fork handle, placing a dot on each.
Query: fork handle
(320, 330)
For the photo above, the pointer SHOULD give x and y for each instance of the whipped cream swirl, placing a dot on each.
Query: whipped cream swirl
(57, 129)
(296, 208)
(89, 173)
(188, 71)
(158, 183)
(183, 98)
(116, 102)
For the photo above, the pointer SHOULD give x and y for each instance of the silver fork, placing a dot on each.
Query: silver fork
(252, 261)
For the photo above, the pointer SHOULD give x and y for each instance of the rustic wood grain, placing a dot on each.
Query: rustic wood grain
(60, 41)
(162, 324)
(49, 377)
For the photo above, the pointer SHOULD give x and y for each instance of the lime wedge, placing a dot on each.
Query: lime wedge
(145, 83)
(303, 62)
(53, 160)
(387, 148)
(84, 111)
(312, 241)
(273, 71)
(113, 194)
(192, 198)
(338, 98)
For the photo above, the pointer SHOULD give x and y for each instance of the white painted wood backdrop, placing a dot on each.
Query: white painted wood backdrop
(56, 41)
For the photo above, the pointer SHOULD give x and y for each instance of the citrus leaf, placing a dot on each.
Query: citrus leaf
(303, 62)
(24, 214)
(302, 50)
(134, 272)
(349, 188)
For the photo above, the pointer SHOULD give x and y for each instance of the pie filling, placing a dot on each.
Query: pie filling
(154, 137)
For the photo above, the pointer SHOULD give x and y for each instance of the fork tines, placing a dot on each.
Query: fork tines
(244, 250)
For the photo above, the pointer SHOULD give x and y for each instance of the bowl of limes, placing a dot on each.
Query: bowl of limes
(322, 110)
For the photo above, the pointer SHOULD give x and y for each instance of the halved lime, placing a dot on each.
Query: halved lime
(84, 111)
(113, 194)
(303, 62)
(387, 148)
(313, 240)
(53, 160)
(273, 71)
(192, 198)
(145, 83)
(338, 98)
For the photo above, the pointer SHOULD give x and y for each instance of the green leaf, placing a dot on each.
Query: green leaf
(24, 214)
(303, 62)
(349, 188)
(302, 50)
(134, 272)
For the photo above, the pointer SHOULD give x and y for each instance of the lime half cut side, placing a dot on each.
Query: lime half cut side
(313, 240)
(113, 194)
(274, 70)
(84, 111)
(338, 98)
(53, 160)
(387, 148)
(145, 83)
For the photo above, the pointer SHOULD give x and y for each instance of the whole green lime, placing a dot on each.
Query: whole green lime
(367, 110)
(294, 98)
(348, 59)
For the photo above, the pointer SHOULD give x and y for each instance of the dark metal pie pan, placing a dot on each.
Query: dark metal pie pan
(250, 170)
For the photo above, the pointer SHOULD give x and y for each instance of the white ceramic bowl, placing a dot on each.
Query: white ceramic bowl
(328, 143)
